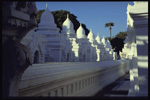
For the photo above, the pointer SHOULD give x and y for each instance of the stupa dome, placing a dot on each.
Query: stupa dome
(80, 32)
(103, 41)
(98, 39)
(91, 36)
(47, 19)
(68, 26)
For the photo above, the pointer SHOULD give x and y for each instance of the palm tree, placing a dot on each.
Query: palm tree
(109, 25)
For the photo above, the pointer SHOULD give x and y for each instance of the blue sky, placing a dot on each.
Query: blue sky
(94, 14)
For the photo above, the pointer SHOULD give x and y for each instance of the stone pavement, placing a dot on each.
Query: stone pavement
(119, 88)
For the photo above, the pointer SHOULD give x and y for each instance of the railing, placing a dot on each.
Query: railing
(70, 78)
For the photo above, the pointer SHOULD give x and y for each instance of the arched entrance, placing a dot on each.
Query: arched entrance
(36, 57)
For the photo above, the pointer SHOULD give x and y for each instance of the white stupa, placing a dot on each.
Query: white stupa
(68, 35)
(68, 27)
(100, 48)
(80, 32)
(98, 39)
(99, 42)
(91, 36)
(47, 21)
(107, 55)
(48, 28)
(94, 45)
(109, 49)
(85, 46)
(103, 41)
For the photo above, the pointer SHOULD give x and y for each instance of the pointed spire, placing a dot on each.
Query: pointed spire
(90, 29)
(47, 7)
(67, 15)
(80, 32)
(97, 34)
(103, 36)
(80, 24)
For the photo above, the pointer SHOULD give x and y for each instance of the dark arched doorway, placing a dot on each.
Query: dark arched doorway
(36, 57)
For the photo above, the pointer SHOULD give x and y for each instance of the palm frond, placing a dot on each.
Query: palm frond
(109, 24)
(112, 24)
(106, 25)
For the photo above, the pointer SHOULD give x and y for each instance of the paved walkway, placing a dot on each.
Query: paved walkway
(119, 88)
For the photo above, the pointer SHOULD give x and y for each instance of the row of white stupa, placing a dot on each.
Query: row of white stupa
(48, 45)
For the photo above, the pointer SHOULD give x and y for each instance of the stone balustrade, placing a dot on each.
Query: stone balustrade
(70, 78)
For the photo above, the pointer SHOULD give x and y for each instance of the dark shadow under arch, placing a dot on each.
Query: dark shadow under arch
(36, 57)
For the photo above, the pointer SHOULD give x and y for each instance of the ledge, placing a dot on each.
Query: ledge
(41, 78)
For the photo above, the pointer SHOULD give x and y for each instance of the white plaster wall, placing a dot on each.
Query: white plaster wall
(70, 79)
(138, 15)
(35, 41)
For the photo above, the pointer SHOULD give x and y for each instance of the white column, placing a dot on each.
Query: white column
(138, 14)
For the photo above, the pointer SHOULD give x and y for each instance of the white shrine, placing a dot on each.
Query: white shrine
(47, 44)
(85, 51)
(69, 35)
(95, 47)
(136, 48)
(101, 50)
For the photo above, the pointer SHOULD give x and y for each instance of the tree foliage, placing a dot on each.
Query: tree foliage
(117, 41)
(60, 16)
(121, 35)
(108, 38)
(109, 24)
